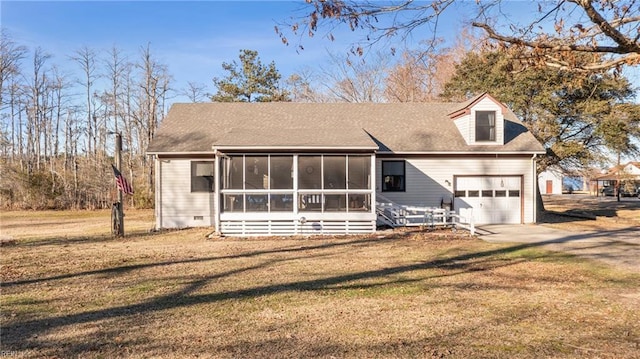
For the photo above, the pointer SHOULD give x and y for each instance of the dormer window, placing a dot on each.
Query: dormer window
(485, 126)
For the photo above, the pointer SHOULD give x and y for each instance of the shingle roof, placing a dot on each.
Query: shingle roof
(467, 103)
(386, 127)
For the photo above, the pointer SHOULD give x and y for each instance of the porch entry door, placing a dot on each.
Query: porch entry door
(490, 199)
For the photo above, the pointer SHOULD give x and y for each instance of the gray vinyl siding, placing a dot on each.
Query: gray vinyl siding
(180, 207)
(426, 179)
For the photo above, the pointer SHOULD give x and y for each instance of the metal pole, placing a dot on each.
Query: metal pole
(618, 178)
(120, 203)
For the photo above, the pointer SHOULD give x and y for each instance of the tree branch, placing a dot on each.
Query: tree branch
(548, 45)
(595, 66)
(625, 44)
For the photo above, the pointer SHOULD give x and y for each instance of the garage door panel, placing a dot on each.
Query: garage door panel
(489, 199)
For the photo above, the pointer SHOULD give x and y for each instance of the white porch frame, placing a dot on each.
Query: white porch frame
(249, 223)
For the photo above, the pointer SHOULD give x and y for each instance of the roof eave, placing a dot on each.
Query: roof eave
(295, 148)
(180, 152)
(461, 152)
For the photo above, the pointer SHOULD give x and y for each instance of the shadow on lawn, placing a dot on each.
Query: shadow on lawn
(572, 207)
(79, 239)
(26, 334)
(127, 268)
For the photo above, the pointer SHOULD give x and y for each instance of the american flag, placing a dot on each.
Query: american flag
(122, 182)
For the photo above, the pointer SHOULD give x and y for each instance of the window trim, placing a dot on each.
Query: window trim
(404, 176)
(193, 169)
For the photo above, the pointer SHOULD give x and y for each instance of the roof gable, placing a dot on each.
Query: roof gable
(465, 107)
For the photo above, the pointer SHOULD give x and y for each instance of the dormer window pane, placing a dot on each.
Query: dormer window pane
(485, 126)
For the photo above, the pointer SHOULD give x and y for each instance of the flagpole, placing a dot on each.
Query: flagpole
(120, 203)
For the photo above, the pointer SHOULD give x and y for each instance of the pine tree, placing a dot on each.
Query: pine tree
(249, 81)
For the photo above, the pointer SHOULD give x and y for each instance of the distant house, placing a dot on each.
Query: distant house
(305, 168)
(550, 181)
(628, 175)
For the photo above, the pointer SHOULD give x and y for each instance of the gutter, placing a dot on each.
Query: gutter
(462, 153)
(181, 153)
(295, 148)
(373, 149)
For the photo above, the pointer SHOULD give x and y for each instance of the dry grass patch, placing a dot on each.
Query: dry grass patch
(40, 226)
(610, 214)
(406, 294)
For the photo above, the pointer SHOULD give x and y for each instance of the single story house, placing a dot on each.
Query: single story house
(314, 168)
(627, 174)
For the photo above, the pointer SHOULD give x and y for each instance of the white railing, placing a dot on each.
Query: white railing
(397, 215)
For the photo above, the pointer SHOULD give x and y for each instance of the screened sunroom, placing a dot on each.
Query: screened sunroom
(295, 193)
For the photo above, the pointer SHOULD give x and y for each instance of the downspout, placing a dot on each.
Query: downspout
(158, 196)
(216, 191)
(535, 187)
(299, 222)
(372, 183)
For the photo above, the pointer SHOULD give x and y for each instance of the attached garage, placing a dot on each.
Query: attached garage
(490, 199)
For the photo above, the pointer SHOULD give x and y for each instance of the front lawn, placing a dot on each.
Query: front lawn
(402, 294)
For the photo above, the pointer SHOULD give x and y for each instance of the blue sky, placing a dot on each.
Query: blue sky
(192, 38)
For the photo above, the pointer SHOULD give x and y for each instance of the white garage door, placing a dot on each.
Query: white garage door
(489, 199)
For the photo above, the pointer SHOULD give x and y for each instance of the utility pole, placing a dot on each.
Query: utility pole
(120, 209)
(618, 178)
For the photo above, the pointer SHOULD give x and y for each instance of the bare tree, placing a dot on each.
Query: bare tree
(154, 86)
(86, 58)
(115, 70)
(342, 79)
(300, 86)
(10, 56)
(420, 76)
(60, 98)
(36, 108)
(355, 80)
(61, 139)
(195, 92)
(608, 28)
(412, 79)
(16, 106)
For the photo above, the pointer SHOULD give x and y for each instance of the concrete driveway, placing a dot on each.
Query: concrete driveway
(619, 247)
